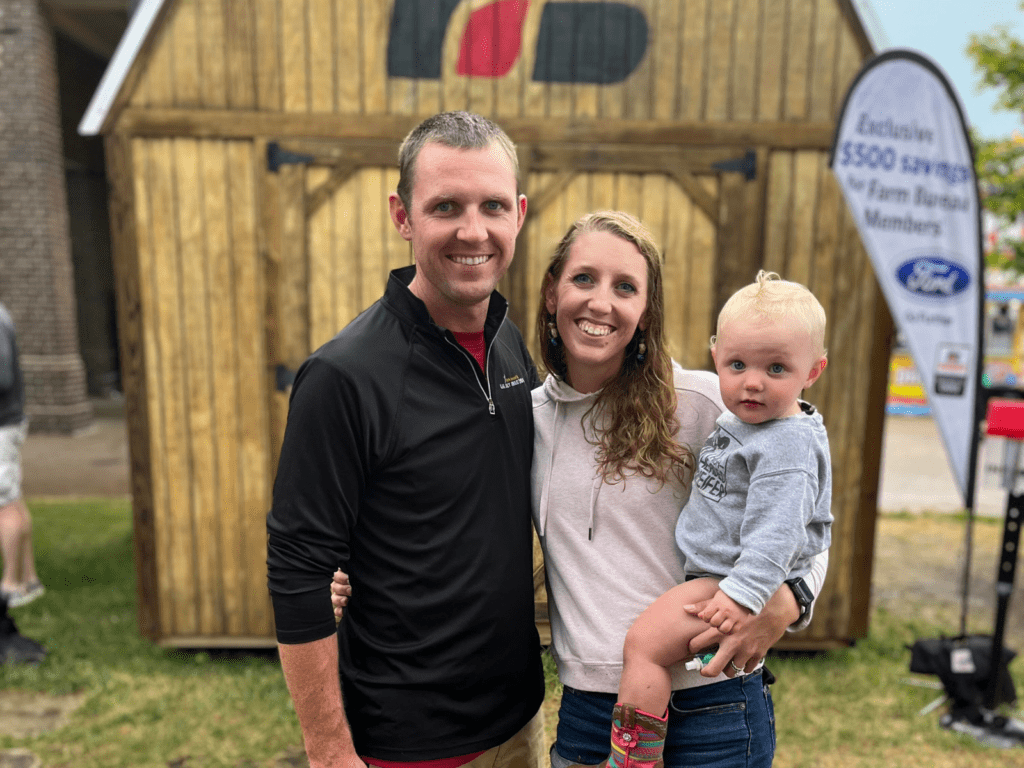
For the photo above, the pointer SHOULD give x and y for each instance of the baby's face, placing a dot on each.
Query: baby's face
(763, 366)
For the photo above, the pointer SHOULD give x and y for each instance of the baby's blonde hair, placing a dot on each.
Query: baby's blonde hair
(770, 297)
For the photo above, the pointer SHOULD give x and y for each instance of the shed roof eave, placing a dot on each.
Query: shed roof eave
(139, 28)
(871, 25)
(146, 13)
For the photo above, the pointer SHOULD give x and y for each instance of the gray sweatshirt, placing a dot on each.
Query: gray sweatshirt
(609, 550)
(761, 510)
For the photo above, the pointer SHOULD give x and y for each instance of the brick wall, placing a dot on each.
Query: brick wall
(36, 279)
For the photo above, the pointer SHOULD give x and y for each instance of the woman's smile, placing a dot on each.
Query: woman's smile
(592, 329)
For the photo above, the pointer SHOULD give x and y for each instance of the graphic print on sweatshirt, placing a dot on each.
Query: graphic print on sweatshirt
(711, 480)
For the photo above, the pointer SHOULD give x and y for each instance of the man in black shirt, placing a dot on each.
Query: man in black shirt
(406, 462)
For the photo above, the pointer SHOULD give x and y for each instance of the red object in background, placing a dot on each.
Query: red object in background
(492, 39)
(1006, 419)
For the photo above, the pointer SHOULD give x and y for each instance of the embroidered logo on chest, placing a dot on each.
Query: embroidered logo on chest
(513, 380)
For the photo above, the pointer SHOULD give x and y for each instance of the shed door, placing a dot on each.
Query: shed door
(200, 448)
(330, 243)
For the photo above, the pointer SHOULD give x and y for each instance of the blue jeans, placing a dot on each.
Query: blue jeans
(723, 725)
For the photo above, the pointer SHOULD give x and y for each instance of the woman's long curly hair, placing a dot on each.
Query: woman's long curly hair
(637, 409)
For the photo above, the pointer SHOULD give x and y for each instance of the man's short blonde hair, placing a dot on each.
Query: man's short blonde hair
(770, 297)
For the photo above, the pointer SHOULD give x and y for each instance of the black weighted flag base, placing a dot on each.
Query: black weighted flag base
(985, 727)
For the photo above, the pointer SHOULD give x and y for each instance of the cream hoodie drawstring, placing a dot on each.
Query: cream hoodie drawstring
(556, 397)
(595, 489)
(547, 479)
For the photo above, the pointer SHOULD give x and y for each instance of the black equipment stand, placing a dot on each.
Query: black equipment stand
(1005, 419)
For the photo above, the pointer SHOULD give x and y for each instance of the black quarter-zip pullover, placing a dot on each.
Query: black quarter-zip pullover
(409, 467)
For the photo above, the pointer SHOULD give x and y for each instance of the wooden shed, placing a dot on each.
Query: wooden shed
(251, 145)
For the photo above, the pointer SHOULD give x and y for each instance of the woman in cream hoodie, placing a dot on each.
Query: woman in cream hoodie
(617, 428)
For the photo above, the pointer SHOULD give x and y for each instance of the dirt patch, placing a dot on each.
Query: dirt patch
(18, 758)
(94, 462)
(24, 714)
(919, 561)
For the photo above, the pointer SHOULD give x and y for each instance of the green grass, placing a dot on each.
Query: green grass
(143, 705)
(147, 706)
(857, 707)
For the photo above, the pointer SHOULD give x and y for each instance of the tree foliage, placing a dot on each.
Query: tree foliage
(999, 59)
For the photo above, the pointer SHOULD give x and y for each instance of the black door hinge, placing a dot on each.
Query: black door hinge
(284, 378)
(276, 157)
(747, 165)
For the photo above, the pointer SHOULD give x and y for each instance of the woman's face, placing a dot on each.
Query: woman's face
(598, 301)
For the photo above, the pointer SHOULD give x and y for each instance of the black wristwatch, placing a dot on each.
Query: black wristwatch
(802, 593)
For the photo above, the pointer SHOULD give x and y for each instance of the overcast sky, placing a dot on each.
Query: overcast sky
(940, 29)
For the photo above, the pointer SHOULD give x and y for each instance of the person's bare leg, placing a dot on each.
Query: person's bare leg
(28, 562)
(11, 543)
(659, 638)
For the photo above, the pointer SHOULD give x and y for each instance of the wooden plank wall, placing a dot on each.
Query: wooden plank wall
(201, 289)
(706, 60)
(132, 336)
(202, 312)
(352, 248)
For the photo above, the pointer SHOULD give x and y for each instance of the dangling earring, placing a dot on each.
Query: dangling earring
(552, 332)
(641, 350)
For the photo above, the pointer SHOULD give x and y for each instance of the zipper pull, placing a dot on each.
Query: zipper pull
(490, 406)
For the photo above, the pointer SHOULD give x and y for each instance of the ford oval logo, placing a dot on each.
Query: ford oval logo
(933, 276)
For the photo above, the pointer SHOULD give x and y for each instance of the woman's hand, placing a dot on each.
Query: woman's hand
(744, 649)
(341, 590)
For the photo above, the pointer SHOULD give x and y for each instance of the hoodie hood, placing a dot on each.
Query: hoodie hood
(560, 392)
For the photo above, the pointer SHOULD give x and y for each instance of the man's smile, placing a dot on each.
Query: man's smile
(470, 261)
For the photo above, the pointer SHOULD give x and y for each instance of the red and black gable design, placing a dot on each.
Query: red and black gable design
(588, 42)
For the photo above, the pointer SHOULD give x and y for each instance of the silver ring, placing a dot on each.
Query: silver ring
(738, 670)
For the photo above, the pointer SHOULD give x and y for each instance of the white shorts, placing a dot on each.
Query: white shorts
(11, 440)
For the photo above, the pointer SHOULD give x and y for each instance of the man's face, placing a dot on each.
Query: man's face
(463, 225)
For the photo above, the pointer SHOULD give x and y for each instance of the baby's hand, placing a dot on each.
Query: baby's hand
(724, 613)
(341, 590)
